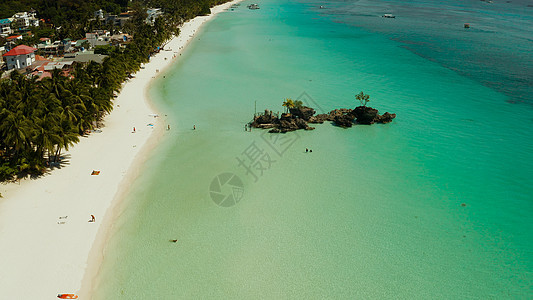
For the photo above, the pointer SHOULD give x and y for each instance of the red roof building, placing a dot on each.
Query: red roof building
(20, 50)
(14, 37)
(20, 57)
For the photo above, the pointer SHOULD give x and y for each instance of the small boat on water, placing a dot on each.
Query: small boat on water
(390, 16)
(253, 6)
(467, 25)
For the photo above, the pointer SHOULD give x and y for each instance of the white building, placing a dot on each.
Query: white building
(5, 26)
(20, 57)
(25, 19)
(99, 14)
(153, 13)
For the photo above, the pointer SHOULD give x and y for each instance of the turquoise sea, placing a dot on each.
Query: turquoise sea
(436, 204)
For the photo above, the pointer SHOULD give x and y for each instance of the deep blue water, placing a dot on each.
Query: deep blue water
(497, 50)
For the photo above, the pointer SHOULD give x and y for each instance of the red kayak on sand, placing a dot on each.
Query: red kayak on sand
(67, 296)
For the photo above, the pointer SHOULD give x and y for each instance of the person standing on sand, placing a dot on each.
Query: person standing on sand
(193, 127)
(168, 128)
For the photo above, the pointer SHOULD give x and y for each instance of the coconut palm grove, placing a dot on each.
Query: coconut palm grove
(40, 118)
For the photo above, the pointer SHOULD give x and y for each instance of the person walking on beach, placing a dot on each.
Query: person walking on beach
(168, 128)
(193, 127)
(92, 219)
(133, 129)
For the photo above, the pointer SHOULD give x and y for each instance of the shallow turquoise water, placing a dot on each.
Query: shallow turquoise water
(373, 212)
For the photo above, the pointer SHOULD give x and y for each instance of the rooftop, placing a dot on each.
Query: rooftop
(85, 57)
(20, 50)
(14, 37)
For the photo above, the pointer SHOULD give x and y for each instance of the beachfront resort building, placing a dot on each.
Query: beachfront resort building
(19, 57)
(5, 27)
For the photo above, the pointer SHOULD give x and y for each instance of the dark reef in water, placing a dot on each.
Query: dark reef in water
(301, 117)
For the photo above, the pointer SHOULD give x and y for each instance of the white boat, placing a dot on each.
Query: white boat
(389, 16)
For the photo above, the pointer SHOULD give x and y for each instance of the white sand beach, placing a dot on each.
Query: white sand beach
(45, 234)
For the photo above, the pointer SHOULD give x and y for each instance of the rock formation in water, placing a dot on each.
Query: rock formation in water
(299, 117)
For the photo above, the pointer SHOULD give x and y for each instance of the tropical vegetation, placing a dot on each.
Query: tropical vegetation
(288, 104)
(362, 98)
(40, 119)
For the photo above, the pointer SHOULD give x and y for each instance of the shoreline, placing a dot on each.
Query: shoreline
(47, 242)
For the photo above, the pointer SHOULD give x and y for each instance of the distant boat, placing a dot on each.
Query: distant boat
(390, 16)
(253, 6)
(322, 7)
(467, 25)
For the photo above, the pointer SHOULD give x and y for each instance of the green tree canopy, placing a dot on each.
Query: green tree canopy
(363, 98)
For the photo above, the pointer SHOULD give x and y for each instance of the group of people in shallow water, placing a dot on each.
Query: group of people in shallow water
(308, 150)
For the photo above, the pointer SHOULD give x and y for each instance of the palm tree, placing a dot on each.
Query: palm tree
(46, 135)
(288, 104)
(15, 131)
(68, 136)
